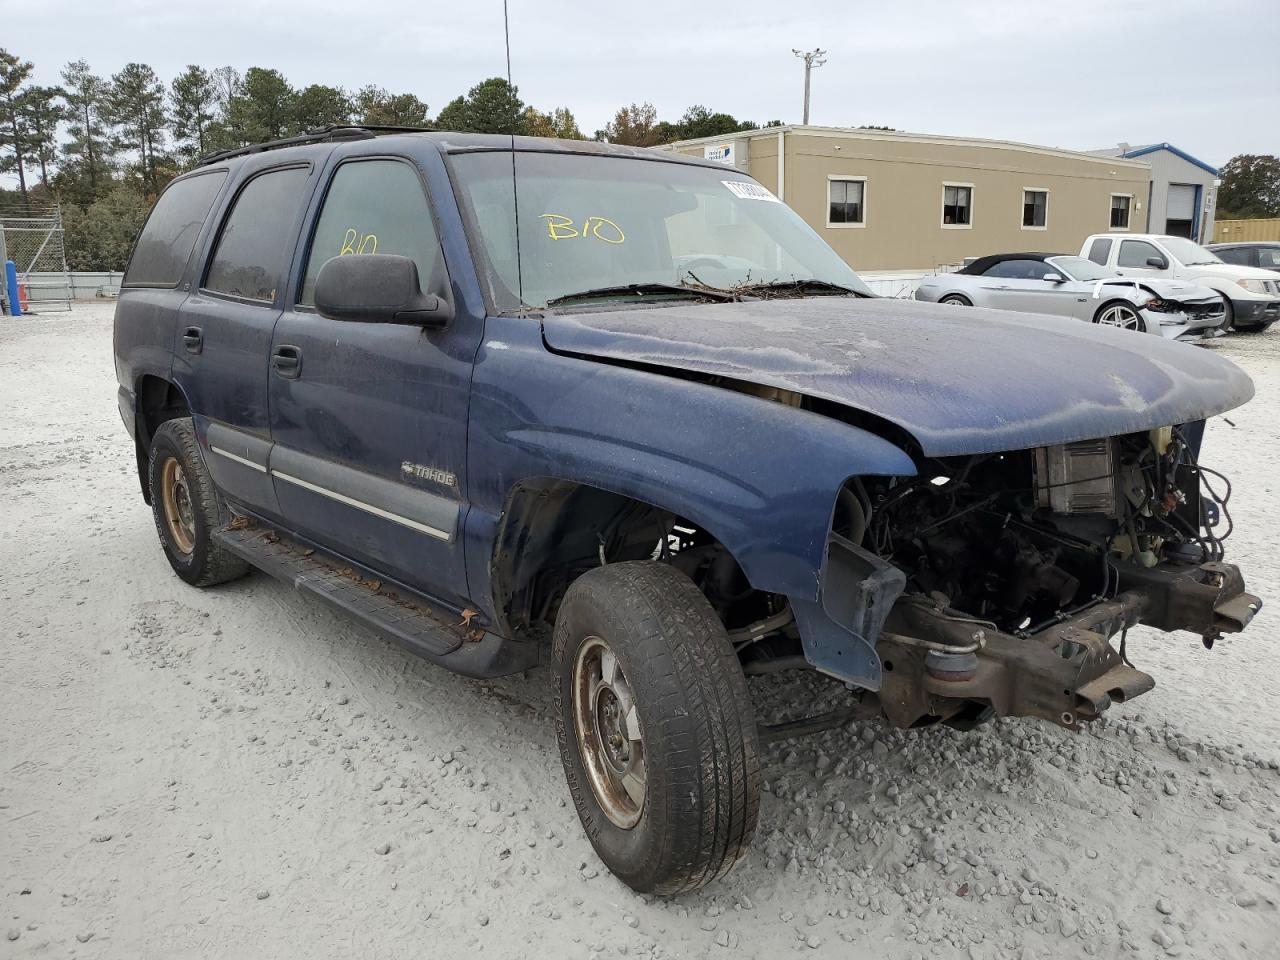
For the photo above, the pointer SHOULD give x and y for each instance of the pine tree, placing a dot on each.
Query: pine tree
(13, 127)
(193, 98)
(262, 109)
(135, 101)
(88, 143)
(318, 106)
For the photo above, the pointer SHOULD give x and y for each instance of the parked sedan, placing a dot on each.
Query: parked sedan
(1257, 253)
(1076, 287)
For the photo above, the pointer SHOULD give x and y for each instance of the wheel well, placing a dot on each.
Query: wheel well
(1114, 302)
(157, 400)
(552, 531)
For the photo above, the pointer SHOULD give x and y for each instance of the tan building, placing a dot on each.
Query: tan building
(903, 201)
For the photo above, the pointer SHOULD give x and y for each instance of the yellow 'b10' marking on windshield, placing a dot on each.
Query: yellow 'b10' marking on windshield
(560, 227)
(356, 242)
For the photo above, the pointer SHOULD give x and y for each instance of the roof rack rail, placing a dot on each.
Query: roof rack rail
(322, 135)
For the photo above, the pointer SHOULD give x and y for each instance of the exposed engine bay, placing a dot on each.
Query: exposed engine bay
(1022, 539)
(1023, 573)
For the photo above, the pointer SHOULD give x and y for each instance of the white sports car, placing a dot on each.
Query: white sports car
(1075, 287)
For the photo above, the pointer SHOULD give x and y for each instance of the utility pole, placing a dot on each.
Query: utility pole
(812, 58)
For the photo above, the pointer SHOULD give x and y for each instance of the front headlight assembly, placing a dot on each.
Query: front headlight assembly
(1255, 286)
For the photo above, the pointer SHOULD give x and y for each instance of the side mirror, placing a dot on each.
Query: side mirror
(1158, 263)
(1053, 278)
(377, 288)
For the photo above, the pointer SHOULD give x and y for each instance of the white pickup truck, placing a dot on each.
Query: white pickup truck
(1252, 294)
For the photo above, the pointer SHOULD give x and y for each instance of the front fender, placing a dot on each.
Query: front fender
(760, 477)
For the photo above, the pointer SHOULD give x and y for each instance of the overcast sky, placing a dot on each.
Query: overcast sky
(1082, 74)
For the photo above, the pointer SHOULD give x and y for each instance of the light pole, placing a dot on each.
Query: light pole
(811, 58)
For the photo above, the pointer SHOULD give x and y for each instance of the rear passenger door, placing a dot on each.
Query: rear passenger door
(369, 419)
(224, 331)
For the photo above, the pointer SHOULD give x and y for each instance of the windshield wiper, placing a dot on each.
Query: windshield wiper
(643, 290)
(811, 285)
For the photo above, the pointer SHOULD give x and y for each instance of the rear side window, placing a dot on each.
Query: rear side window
(375, 206)
(257, 237)
(1236, 255)
(1099, 250)
(161, 255)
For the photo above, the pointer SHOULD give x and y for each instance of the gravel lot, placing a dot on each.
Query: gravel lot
(239, 773)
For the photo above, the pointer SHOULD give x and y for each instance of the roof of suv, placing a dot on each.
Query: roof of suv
(451, 142)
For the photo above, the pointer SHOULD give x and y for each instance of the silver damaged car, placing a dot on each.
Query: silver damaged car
(1075, 287)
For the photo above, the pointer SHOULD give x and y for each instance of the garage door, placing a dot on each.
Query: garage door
(1182, 202)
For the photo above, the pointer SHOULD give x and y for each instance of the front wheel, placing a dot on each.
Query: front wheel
(1120, 315)
(656, 730)
(956, 300)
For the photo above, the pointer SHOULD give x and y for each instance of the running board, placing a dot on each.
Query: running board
(460, 646)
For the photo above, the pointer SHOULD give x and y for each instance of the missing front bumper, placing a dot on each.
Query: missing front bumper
(1068, 673)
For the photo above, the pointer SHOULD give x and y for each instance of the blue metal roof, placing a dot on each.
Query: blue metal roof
(1153, 147)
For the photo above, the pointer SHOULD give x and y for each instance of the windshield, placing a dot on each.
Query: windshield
(594, 223)
(1187, 253)
(1078, 268)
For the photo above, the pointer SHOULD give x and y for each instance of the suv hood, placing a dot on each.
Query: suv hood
(1231, 271)
(959, 380)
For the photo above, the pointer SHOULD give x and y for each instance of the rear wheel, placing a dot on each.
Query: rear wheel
(656, 730)
(185, 507)
(956, 300)
(1120, 315)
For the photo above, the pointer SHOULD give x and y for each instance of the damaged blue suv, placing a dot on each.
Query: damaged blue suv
(511, 401)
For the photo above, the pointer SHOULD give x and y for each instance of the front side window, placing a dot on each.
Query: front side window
(1269, 258)
(957, 203)
(1120, 211)
(1019, 270)
(1100, 250)
(844, 202)
(1135, 253)
(161, 255)
(1035, 208)
(598, 222)
(1078, 268)
(257, 237)
(375, 206)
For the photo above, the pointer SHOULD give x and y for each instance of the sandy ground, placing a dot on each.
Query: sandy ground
(238, 773)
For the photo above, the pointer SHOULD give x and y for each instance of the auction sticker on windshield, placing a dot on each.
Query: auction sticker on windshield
(749, 191)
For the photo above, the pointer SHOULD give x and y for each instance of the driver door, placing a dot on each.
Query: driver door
(369, 419)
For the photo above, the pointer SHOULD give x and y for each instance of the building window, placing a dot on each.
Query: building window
(1120, 210)
(845, 201)
(957, 204)
(1035, 208)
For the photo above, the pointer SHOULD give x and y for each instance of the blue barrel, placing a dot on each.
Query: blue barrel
(11, 285)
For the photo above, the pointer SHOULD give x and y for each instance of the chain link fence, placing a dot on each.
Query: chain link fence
(31, 236)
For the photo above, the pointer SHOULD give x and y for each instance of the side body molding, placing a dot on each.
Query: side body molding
(759, 476)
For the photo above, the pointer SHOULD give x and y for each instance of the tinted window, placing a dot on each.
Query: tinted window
(257, 236)
(1238, 255)
(1134, 253)
(1099, 250)
(375, 206)
(1269, 257)
(1019, 270)
(1035, 207)
(956, 202)
(1120, 213)
(845, 198)
(160, 257)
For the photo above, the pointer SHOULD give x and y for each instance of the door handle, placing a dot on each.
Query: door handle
(193, 339)
(287, 361)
